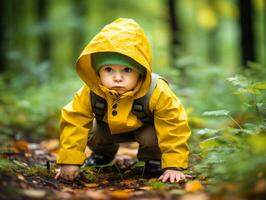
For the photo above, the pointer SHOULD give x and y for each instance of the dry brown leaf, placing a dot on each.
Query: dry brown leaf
(97, 195)
(50, 145)
(120, 194)
(193, 186)
(260, 187)
(128, 181)
(21, 146)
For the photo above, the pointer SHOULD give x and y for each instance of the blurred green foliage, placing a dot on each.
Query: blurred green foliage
(236, 153)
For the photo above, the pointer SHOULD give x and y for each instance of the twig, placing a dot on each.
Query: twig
(48, 166)
(235, 121)
(49, 182)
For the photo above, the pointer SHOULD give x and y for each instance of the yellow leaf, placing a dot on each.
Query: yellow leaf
(194, 186)
(119, 194)
(91, 185)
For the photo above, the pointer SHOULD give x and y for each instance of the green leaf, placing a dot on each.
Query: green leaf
(238, 80)
(216, 113)
(208, 131)
(210, 143)
(260, 86)
(139, 164)
(157, 184)
(253, 90)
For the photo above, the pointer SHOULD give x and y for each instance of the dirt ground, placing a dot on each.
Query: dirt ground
(27, 171)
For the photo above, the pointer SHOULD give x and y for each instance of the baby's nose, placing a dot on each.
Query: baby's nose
(118, 77)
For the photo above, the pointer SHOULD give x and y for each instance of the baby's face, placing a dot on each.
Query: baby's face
(119, 78)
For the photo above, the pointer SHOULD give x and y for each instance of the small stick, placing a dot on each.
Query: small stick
(49, 182)
(48, 166)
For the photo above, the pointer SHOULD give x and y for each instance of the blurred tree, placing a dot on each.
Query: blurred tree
(174, 28)
(79, 9)
(212, 33)
(2, 35)
(45, 42)
(61, 25)
(247, 33)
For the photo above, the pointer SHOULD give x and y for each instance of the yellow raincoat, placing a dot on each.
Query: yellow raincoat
(124, 36)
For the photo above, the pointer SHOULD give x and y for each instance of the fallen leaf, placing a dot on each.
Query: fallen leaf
(20, 177)
(91, 185)
(21, 146)
(50, 145)
(97, 195)
(67, 189)
(34, 193)
(146, 188)
(260, 187)
(129, 181)
(119, 194)
(193, 186)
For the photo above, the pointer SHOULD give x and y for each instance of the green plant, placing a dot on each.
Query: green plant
(236, 154)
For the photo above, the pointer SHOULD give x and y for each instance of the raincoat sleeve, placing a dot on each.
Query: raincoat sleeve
(76, 123)
(171, 126)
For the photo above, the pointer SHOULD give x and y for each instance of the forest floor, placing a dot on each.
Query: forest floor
(27, 171)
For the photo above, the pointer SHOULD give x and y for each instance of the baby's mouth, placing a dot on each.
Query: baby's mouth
(117, 87)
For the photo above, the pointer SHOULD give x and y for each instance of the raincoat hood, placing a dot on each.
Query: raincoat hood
(122, 36)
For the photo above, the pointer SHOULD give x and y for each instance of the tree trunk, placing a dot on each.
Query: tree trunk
(44, 41)
(173, 29)
(247, 32)
(2, 35)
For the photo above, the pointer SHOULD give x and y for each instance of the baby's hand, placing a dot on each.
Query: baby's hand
(173, 176)
(68, 172)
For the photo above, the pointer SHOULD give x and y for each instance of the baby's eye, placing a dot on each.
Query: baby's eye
(108, 69)
(127, 69)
